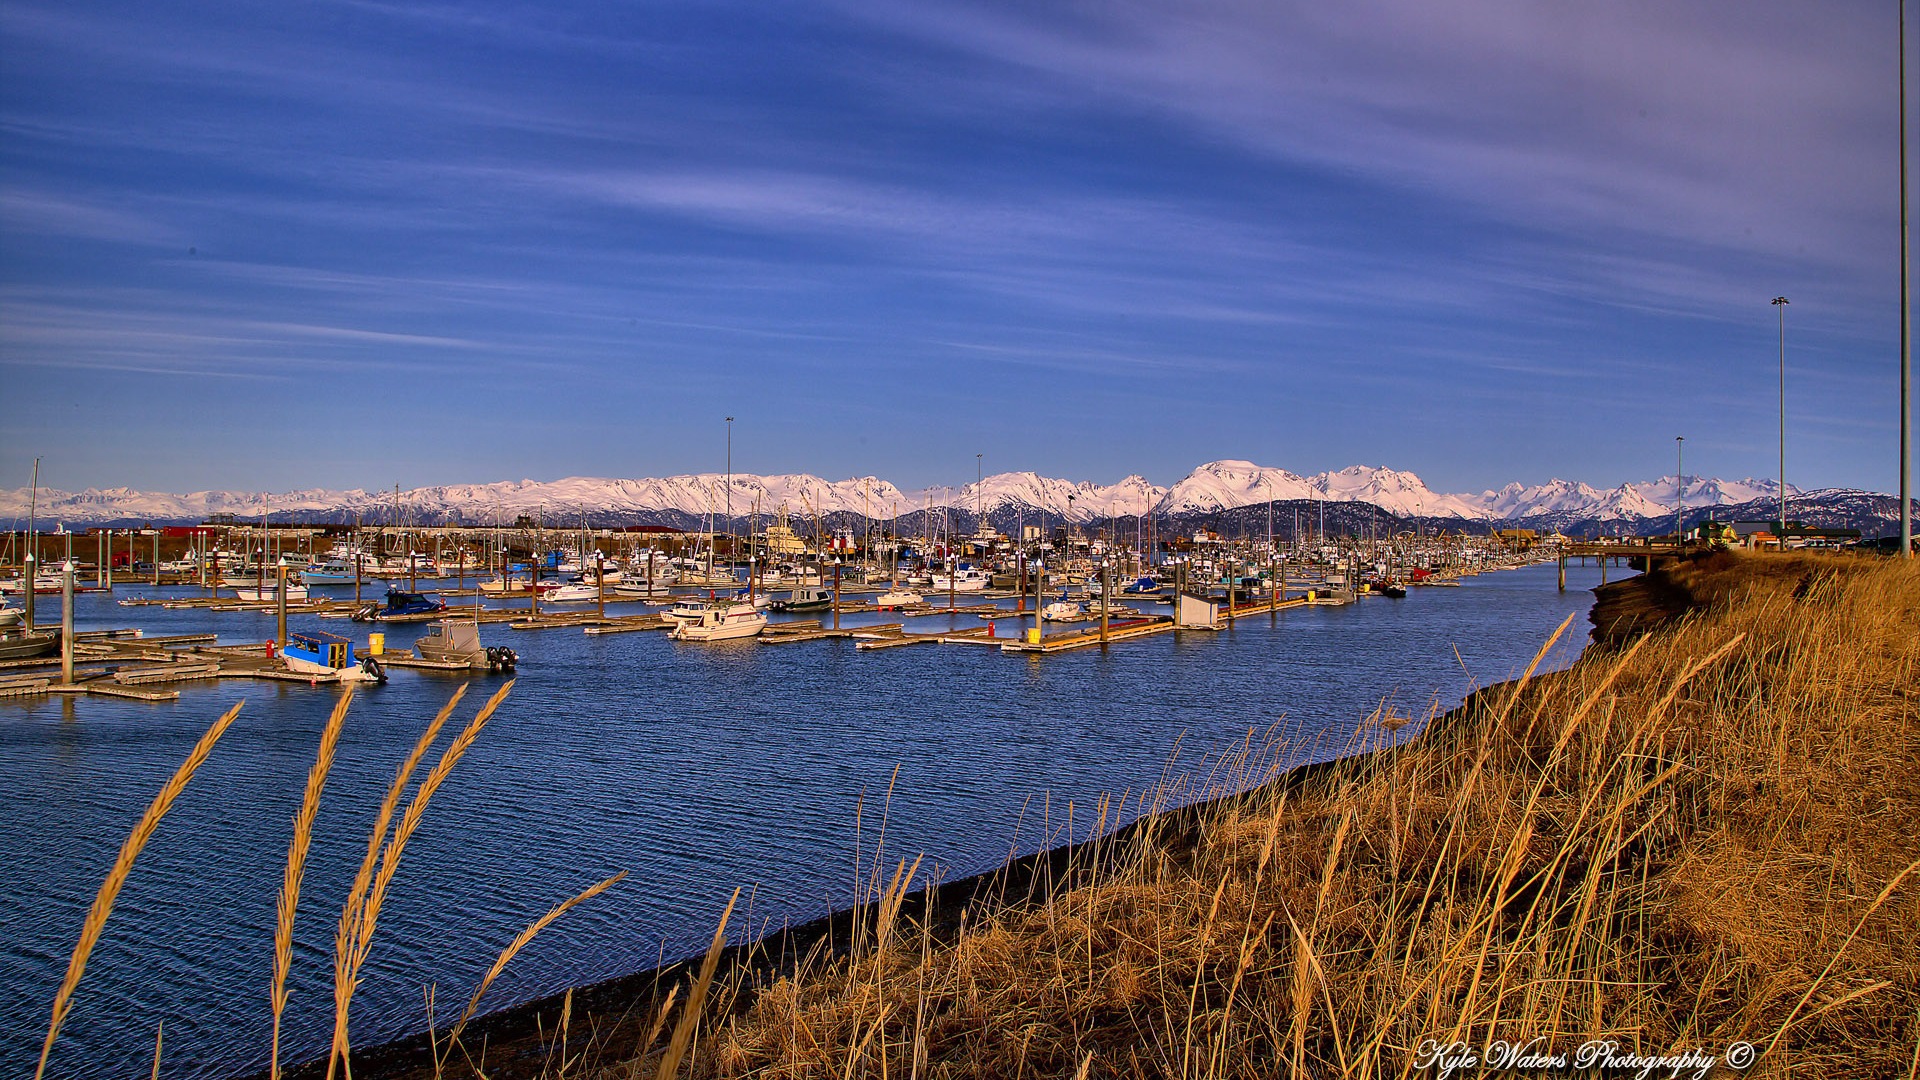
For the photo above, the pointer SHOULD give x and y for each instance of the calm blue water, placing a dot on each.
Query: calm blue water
(697, 768)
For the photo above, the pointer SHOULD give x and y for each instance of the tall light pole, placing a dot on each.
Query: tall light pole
(1679, 490)
(1780, 305)
(1906, 321)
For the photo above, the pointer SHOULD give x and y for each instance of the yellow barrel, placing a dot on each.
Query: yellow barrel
(1033, 636)
(1312, 595)
(376, 644)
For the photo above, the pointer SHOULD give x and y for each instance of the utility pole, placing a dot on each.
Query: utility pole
(1780, 304)
(1906, 321)
(1679, 491)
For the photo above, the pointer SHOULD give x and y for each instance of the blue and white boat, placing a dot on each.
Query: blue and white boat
(330, 572)
(403, 607)
(328, 656)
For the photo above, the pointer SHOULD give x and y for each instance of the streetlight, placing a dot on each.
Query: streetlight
(1780, 303)
(1679, 490)
(1906, 321)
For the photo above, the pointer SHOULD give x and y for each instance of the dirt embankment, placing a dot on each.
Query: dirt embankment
(1703, 584)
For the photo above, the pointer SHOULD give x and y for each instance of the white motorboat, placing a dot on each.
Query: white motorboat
(898, 598)
(10, 616)
(42, 584)
(693, 608)
(723, 620)
(329, 572)
(263, 593)
(572, 592)
(968, 580)
(1064, 611)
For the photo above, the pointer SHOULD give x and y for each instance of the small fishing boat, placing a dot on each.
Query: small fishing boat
(458, 640)
(10, 616)
(43, 585)
(1143, 586)
(330, 572)
(806, 598)
(965, 580)
(265, 593)
(693, 608)
(723, 620)
(571, 592)
(402, 607)
(1064, 610)
(898, 598)
(328, 656)
(23, 645)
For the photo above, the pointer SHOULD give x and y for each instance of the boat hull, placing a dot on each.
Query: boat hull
(23, 646)
(725, 626)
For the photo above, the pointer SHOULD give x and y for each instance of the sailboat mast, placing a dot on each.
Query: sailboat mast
(30, 563)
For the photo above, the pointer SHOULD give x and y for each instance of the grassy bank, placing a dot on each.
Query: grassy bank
(1701, 837)
(1701, 834)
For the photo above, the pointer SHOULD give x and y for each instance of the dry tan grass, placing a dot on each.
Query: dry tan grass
(1701, 839)
(296, 868)
(362, 912)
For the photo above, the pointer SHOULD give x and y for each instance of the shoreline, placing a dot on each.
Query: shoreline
(514, 1034)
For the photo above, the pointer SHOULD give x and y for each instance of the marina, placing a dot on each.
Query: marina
(697, 766)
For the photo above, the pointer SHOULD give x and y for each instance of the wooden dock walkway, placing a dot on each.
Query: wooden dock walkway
(1129, 630)
(971, 635)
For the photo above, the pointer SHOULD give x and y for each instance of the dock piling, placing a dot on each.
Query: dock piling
(66, 622)
(1106, 599)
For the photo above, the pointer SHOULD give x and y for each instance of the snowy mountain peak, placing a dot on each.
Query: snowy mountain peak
(1213, 487)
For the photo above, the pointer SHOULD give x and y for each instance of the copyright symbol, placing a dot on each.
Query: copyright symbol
(1740, 1055)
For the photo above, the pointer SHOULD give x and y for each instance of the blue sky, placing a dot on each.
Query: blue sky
(326, 244)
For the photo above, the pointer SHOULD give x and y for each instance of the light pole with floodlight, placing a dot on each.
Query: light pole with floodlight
(1679, 491)
(1780, 303)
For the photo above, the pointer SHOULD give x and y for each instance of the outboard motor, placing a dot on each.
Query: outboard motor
(372, 667)
(500, 658)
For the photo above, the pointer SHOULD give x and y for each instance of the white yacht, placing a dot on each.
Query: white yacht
(969, 580)
(258, 593)
(722, 620)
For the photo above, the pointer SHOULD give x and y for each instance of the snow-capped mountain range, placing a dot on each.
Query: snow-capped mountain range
(1211, 488)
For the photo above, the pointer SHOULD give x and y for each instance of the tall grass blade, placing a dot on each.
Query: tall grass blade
(117, 877)
(520, 942)
(296, 867)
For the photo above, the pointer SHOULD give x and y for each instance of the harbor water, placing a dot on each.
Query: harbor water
(695, 768)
